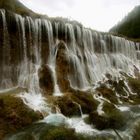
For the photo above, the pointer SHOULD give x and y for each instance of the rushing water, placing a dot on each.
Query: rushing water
(91, 54)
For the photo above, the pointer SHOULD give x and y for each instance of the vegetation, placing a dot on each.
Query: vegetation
(70, 103)
(44, 131)
(17, 7)
(130, 25)
(14, 115)
(134, 84)
(136, 131)
(112, 118)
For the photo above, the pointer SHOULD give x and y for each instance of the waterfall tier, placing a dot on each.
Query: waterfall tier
(77, 57)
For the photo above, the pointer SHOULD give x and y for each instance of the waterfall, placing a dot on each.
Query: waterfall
(6, 70)
(90, 54)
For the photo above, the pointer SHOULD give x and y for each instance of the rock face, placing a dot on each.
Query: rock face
(46, 80)
(62, 67)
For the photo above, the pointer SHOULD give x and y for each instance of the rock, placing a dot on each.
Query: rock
(134, 84)
(15, 115)
(107, 93)
(59, 133)
(46, 81)
(62, 67)
(111, 119)
(136, 130)
(43, 131)
(71, 104)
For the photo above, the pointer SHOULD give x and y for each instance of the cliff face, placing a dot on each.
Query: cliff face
(130, 25)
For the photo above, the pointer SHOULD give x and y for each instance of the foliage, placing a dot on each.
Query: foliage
(130, 25)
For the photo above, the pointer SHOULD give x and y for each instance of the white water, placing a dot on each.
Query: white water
(91, 56)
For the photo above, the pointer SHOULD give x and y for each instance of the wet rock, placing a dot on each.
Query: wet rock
(46, 81)
(136, 130)
(59, 133)
(62, 67)
(107, 93)
(71, 104)
(111, 119)
(134, 84)
(43, 131)
(15, 115)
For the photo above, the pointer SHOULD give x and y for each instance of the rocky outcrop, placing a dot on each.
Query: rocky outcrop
(71, 104)
(46, 80)
(62, 67)
(15, 115)
(111, 118)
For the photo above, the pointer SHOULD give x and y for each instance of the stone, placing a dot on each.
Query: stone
(62, 67)
(15, 115)
(46, 81)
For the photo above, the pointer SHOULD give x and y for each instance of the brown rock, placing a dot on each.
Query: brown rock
(46, 81)
(62, 67)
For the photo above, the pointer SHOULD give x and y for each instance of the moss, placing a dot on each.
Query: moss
(59, 133)
(86, 101)
(68, 107)
(134, 84)
(107, 93)
(43, 131)
(111, 119)
(119, 87)
(136, 131)
(97, 137)
(14, 115)
(70, 103)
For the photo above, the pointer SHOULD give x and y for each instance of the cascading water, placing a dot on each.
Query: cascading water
(88, 57)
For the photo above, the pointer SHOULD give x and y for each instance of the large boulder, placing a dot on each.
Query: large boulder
(46, 81)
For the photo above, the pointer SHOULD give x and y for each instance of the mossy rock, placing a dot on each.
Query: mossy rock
(111, 119)
(119, 87)
(14, 115)
(43, 131)
(136, 131)
(107, 93)
(70, 103)
(134, 84)
(68, 107)
(59, 133)
(96, 137)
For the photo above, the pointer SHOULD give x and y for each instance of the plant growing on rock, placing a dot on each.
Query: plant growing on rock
(14, 115)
